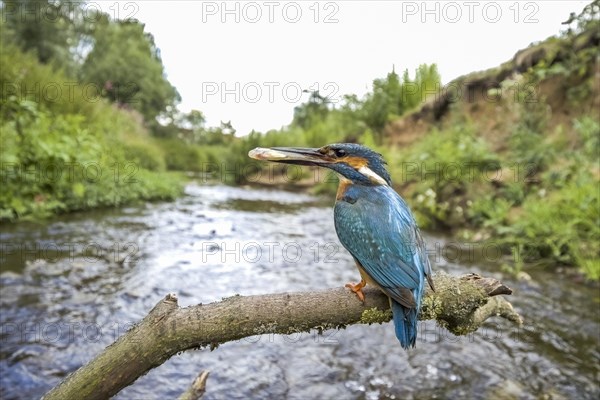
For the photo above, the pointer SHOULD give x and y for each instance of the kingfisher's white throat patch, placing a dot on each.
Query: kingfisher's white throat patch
(368, 172)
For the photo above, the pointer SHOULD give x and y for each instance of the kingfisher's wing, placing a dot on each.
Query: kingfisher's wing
(378, 229)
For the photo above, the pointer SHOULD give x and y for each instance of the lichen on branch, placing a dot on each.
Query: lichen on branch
(461, 304)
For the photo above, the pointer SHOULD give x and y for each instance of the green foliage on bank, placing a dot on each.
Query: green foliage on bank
(63, 151)
(537, 213)
(81, 99)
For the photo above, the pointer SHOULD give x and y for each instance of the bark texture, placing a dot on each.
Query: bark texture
(460, 304)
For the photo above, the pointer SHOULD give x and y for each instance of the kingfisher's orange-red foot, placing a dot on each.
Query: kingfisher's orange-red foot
(357, 288)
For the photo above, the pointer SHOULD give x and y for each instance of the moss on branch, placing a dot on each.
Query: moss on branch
(461, 304)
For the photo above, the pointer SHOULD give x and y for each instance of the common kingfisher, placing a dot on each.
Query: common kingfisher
(374, 224)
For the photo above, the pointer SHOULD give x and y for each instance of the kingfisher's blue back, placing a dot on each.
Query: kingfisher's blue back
(376, 226)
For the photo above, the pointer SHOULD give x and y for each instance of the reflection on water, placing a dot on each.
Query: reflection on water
(70, 286)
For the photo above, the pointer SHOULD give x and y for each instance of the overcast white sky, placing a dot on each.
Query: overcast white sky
(246, 61)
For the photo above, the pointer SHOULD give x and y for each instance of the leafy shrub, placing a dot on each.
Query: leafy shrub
(440, 169)
(588, 130)
(145, 155)
(68, 153)
(563, 225)
(180, 156)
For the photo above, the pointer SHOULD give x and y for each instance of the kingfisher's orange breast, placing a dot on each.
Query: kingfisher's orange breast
(342, 187)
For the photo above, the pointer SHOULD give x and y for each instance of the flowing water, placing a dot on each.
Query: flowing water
(71, 285)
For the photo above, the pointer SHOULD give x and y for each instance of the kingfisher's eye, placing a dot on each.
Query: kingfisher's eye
(339, 152)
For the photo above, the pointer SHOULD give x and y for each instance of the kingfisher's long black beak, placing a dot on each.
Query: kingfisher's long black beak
(291, 155)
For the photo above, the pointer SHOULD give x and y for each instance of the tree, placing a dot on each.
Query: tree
(427, 83)
(42, 27)
(125, 63)
(191, 126)
(392, 97)
(118, 57)
(311, 112)
(195, 119)
(383, 102)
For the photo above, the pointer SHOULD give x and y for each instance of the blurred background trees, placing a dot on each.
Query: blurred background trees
(80, 92)
(119, 57)
(126, 64)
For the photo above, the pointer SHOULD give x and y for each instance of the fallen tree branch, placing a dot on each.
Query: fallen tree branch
(197, 388)
(460, 304)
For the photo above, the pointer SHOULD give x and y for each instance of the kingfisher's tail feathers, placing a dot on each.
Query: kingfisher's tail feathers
(405, 322)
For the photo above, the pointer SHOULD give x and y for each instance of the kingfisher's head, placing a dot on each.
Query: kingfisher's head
(353, 162)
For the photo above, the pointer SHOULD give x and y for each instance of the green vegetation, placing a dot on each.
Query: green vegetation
(127, 65)
(510, 170)
(392, 98)
(539, 213)
(72, 138)
(69, 154)
(443, 169)
(316, 122)
(526, 180)
(515, 164)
